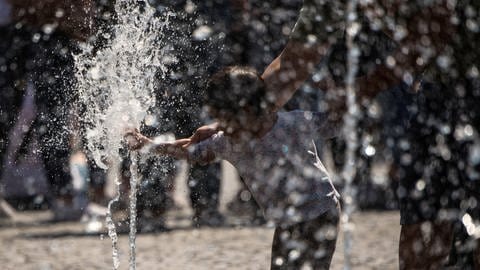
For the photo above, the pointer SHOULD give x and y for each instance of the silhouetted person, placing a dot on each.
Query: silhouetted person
(48, 36)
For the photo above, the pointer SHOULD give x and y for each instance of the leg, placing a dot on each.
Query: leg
(56, 162)
(154, 197)
(55, 136)
(464, 253)
(6, 210)
(425, 245)
(425, 242)
(11, 96)
(98, 181)
(243, 204)
(309, 243)
(476, 255)
(204, 184)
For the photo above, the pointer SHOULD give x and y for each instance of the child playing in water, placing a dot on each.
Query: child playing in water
(270, 151)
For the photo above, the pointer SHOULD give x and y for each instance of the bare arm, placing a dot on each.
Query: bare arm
(179, 149)
(320, 24)
(175, 149)
(137, 141)
(291, 68)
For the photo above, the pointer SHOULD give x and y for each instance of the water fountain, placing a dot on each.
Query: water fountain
(116, 85)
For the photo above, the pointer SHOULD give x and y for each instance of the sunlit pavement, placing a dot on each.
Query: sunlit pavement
(31, 242)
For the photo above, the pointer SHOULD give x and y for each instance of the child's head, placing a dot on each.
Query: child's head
(236, 97)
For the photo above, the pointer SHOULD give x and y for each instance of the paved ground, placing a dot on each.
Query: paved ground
(33, 243)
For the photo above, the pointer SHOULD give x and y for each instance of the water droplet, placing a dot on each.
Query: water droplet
(391, 62)
(443, 61)
(294, 255)
(370, 151)
(279, 261)
(49, 28)
(202, 33)
(36, 37)
(420, 185)
(59, 13)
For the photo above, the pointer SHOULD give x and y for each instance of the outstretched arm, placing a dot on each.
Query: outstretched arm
(175, 149)
(284, 76)
(137, 141)
(179, 149)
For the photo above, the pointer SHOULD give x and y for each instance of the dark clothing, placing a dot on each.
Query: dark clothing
(436, 172)
(308, 243)
(434, 165)
(15, 62)
(27, 54)
(204, 184)
(54, 79)
(154, 192)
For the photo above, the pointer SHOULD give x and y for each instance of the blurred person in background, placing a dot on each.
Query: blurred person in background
(39, 42)
(10, 97)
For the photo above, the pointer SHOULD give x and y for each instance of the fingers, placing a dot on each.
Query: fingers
(134, 139)
(202, 133)
(133, 143)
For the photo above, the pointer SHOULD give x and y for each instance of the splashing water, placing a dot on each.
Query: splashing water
(116, 83)
(350, 124)
(112, 233)
(134, 179)
(116, 86)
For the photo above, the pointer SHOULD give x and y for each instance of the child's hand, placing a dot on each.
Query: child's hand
(135, 140)
(202, 133)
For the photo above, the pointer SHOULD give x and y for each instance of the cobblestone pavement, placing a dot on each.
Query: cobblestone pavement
(34, 243)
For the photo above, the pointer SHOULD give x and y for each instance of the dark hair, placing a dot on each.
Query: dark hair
(235, 88)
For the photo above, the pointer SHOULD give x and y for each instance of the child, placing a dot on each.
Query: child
(270, 152)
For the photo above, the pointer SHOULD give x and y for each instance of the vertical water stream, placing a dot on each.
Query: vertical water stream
(350, 125)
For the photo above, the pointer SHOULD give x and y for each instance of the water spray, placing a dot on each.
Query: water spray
(116, 86)
(350, 125)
